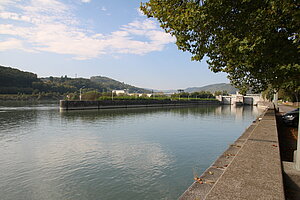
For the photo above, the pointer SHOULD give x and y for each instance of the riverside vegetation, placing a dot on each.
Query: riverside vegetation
(19, 85)
(94, 95)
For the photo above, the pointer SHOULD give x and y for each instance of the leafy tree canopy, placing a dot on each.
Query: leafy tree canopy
(255, 41)
(10, 76)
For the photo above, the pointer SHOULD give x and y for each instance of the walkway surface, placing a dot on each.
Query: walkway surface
(252, 172)
(284, 108)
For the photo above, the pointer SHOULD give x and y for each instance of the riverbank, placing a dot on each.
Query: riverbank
(113, 104)
(249, 169)
(31, 97)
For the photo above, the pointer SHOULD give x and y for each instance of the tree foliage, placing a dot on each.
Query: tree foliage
(14, 81)
(200, 94)
(224, 93)
(255, 41)
(111, 84)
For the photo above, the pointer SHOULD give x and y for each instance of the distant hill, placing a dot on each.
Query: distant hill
(14, 81)
(111, 84)
(164, 91)
(211, 88)
(214, 87)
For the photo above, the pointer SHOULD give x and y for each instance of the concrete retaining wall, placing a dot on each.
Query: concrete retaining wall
(108, 104)
(249, 169)
(226, 100)
(248, 100)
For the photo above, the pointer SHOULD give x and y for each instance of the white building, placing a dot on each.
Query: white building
(120, 92)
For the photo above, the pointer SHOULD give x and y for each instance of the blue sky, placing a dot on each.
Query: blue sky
(88, 37)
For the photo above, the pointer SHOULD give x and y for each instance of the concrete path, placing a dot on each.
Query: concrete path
(253, 173)
(256, 171)
(284, 108)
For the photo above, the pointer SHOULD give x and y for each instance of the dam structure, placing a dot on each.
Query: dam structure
(238, 99)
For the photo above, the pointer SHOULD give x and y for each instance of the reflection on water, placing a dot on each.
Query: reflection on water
(111, 154)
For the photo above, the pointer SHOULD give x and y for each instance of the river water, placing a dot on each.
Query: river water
(111, 154)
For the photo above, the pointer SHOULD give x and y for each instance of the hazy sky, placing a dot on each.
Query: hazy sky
(95, 37)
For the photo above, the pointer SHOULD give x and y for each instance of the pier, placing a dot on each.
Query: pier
(115, 104)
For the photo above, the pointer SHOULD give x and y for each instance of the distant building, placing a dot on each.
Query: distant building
(145, 95)
(140, 94)
(120, 92)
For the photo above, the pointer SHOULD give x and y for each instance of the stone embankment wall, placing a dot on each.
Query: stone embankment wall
(249, 169)
(108, 104)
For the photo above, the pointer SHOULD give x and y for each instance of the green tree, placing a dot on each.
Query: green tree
(256, 42)
(91, 95)
(14, 81)
(286, 95)
(224, 93)
(51, 78)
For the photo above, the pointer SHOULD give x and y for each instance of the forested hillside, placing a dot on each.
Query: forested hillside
(213, 88)
(111, 84)
(14, 81)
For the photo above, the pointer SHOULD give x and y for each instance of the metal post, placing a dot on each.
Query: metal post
(276, 101)
(80, 92)
(297, 152)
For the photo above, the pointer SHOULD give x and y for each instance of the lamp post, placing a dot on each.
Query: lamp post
(80, 92)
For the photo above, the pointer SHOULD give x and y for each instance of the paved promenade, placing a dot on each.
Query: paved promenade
(248, 169)
(284, 108)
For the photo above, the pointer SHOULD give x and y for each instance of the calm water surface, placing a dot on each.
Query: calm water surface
(111, 154)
